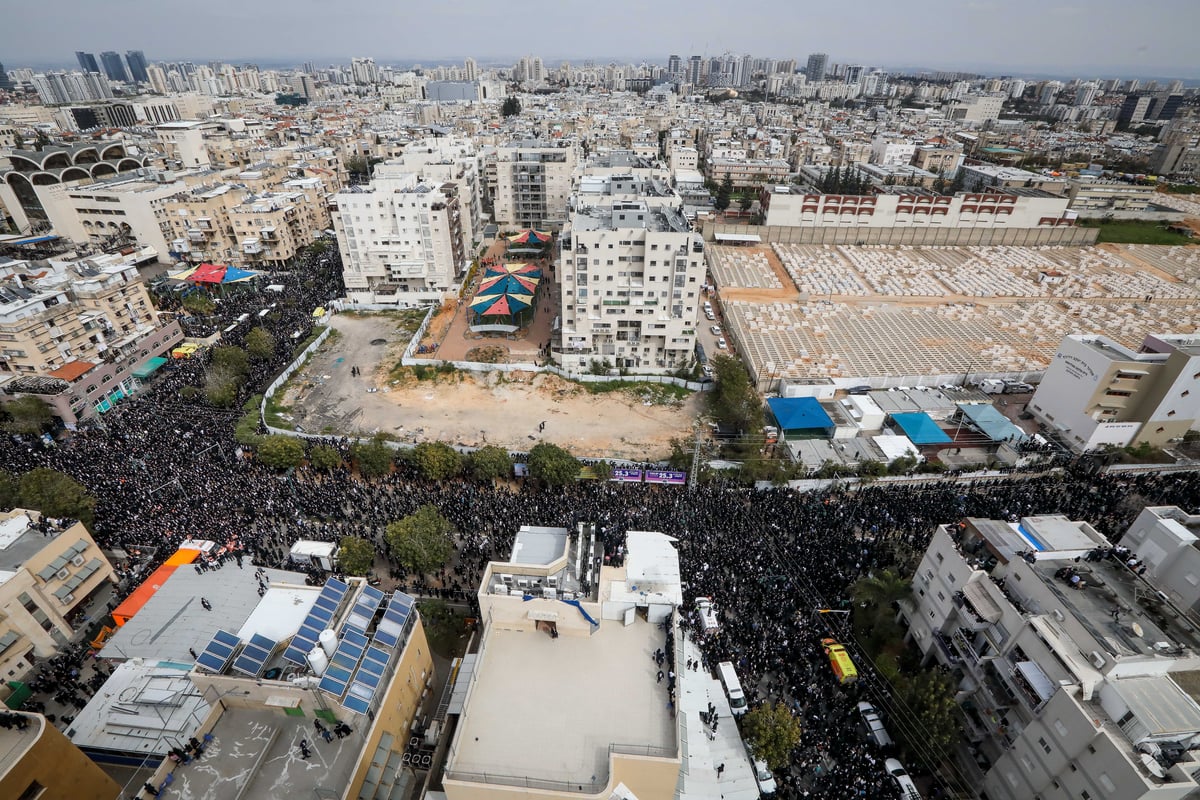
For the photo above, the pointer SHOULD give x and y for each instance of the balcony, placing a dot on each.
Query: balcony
(252, 246)
(268, 233)
(196, 235)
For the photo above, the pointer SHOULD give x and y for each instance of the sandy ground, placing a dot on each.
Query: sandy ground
(468, 409)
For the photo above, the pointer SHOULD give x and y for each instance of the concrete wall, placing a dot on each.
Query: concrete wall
(1060, 236)
(644, 776)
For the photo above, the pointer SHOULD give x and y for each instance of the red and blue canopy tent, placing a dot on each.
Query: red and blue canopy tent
(528, 242)
(507, 296)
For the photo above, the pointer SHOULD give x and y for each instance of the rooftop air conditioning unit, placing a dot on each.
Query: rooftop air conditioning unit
(77, 560)
(500, 588)
(552, 580)
(63, 574)
(523, 583)
(549, 593)
(506, 578)
(1098, 659)
(1058, 615)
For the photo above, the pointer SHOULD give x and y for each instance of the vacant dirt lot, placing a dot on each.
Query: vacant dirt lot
(469, 409)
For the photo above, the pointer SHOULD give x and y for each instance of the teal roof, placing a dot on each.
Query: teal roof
(994, 425)
(799, 413)
(920, 428)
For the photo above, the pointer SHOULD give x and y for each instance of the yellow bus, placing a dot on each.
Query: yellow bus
(840, 661)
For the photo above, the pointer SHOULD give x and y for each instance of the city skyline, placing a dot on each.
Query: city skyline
(967, 37)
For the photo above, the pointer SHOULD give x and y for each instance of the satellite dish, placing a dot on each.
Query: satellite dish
(1153, 766)
(1137, 629)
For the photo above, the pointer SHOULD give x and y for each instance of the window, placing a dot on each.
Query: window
(1045, 745)
(941, 597)
(940, 558)
(32, 791)
(1060, 727)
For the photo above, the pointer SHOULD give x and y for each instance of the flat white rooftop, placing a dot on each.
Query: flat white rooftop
(548, 709)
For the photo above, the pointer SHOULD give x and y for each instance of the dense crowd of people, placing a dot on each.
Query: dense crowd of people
(164, 469)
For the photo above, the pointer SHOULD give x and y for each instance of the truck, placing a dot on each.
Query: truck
(991, 386)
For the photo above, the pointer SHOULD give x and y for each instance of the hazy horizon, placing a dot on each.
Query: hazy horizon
(1150, 39)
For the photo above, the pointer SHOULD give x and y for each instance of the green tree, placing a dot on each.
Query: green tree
(56, 494)
(324, 457)
(930, 694)
(10, 490)
(772, 732)
(511, 107)
(489, 463)
(221, 387)
(603, 470)
(437, 460)
(280, 451)
(198, 304)
(27, 415)
(872, 469)
(724, 194)
(881, 590)
(374, 458)
(234, 359)
(733, 400)
(552, 465)
(260, 344)
(355, 556)
(422, 541)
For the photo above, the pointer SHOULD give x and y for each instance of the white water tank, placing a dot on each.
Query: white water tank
(329, 642)
(318, 660)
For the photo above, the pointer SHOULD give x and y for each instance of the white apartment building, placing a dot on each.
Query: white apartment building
(401, 239)
(1098, 392)
(533, 184)
(891, 151)
(125, 205)
(449, 159)
(1165, 538)
(630, 276)
(1074, 672)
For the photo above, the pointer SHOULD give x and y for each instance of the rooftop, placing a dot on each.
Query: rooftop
(560, 695)
(20, 540)
(256, 753)
(172, 620)
(141, 708)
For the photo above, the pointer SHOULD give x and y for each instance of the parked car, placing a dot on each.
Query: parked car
(764, 778)
(715, 330)
(721, 343)
(874, 725)
(908, 790)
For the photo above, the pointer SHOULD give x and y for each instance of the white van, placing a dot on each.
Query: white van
(706, 614)
(733, 688)
(763, 776)
(908, 790)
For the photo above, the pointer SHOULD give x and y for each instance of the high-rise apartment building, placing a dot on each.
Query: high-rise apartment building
(695, 73)
(364, 71)
(818, 64)
(87, 61)
(631, 275)
(470, 70)
(533, 184)
(114, 67)
(401, 239)
(674, 67)
(136, 60)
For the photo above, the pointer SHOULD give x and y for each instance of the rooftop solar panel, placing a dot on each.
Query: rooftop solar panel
(254, 655)
(219, 652)
(317, 620)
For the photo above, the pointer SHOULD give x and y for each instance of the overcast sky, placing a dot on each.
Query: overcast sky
(1085, 37)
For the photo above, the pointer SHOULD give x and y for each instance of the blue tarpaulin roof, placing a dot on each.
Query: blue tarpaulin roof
(799, 413)
(994, 425)
(920, 429)
(34, 240)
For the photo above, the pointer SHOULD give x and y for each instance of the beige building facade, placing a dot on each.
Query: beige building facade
(46, 573)
(37, 762)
